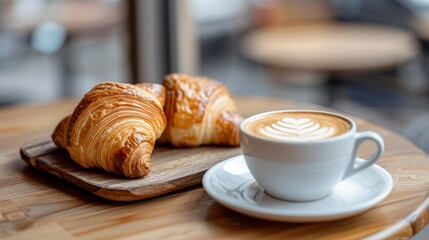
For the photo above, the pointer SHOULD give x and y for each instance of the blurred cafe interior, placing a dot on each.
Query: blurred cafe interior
(365, 57)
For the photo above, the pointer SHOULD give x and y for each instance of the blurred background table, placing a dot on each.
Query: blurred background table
(38, 206)
(311, 51)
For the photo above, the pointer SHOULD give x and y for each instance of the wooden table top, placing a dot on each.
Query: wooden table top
(330, 46)
(38, 206)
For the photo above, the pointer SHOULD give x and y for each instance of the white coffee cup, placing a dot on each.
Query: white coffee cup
(300, 169)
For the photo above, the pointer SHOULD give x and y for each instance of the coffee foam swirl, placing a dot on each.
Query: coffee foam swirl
(298, 126)
(297, 129)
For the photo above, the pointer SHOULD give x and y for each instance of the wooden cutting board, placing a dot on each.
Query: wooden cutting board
(172, 169)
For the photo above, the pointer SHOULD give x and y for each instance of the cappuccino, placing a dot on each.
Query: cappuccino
(301, 155)
(298, 126)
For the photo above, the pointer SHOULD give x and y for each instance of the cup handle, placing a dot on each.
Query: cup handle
(360, 138)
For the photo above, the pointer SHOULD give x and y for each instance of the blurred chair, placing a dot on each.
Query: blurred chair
(415, 76)
(54, 26)
(308, 50)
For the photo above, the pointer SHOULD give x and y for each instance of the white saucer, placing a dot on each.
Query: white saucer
(231, 184)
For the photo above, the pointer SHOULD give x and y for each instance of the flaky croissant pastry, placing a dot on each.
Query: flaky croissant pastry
(114, 127)
(199, 111)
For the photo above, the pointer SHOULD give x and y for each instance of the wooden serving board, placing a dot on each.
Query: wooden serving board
(172, 169)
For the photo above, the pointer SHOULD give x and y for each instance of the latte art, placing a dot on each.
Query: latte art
(297, 129)
(298, 126)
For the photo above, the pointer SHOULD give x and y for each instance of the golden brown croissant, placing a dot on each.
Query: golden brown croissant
(199, 111)
(114, 127)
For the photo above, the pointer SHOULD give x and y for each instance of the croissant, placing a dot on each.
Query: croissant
(114, 127)
(199, 111)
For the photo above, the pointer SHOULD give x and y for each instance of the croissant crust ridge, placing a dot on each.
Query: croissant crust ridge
(114, 127)
(199, 111)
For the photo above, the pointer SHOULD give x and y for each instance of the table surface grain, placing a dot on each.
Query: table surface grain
(38, 206)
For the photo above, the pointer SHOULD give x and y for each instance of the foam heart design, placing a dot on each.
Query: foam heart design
(301, 129)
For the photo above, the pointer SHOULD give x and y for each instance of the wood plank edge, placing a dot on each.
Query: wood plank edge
(26, 157)
(26, 147)
(44, 168)
(36, 142)
(123, 195)
(155, 190)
